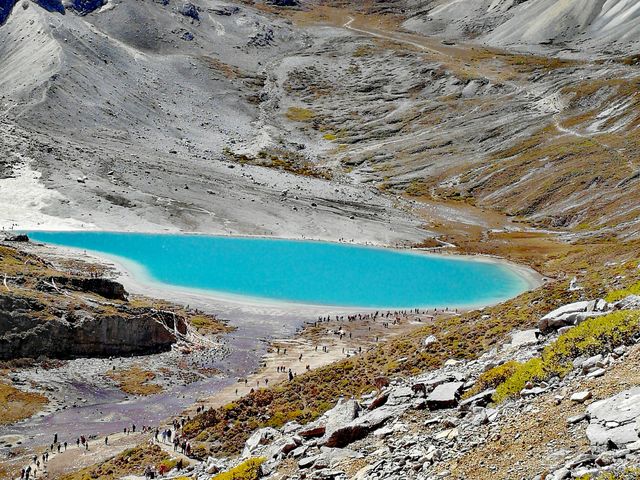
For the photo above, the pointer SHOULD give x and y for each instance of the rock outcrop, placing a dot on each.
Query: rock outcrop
(100, 286)
(25, 334)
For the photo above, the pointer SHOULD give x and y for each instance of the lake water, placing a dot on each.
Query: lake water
(304, 272)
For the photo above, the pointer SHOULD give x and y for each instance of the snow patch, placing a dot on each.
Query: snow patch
(23, 200)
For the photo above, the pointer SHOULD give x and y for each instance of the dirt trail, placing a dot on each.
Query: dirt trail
(357, 334)
(306, 350)
(74, 457)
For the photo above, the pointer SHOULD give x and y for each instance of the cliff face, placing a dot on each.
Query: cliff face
(24, 334)
(80, 334)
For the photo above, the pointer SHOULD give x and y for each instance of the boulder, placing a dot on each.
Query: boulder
(282, 446)
(526, 337)
(429, 340)
(189, 10)
(591, 363)
(299, 452)
(307, 461)
(481, 399)
(312, 430)
(601, 435)
(361, 426)
(581, 397)
(400, 395)
(445, 395)
(339, 416)
(263, 436)
(21, 237)
(447, 435)
(614, 419)
(551, 319)
(630, 302)
(379, 401)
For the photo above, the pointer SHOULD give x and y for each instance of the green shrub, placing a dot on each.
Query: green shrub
(531, 371)
(620, 294)
(593, 336)
(628, 474)
(247, 470)
(492, 378)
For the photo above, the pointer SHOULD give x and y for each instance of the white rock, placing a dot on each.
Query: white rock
(581, 397)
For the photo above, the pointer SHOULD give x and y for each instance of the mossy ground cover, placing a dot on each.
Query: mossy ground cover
(209, 325)
(247, 470)
(300, 114)
(282, 159)
(632, 473)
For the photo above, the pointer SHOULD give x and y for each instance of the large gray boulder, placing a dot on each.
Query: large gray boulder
(263, 436)
(573, 314)
(361, 426)
(445, 395)
(338, 416)
(526, 337)
(630, 302)
(614, 419)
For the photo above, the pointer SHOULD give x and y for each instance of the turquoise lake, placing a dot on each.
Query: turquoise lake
(305, 272)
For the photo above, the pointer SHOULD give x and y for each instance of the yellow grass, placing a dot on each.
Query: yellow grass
(18, 405)
(135, 381)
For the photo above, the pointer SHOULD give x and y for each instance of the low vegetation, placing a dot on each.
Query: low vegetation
(130, 462)
(623, 292)
(627, 474)
(281, 159)
(492, 378)
(299, 114)
(135, 381)
(209, 325)
(18, 405)
(247, 470)
(593, 336)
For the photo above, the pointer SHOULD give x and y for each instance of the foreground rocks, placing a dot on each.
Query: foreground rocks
(418, 427)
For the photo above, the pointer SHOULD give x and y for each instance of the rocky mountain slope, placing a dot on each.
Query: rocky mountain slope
(347, 109)
(370, 121)
(575, 26)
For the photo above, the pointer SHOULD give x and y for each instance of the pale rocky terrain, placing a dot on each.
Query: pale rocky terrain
(386, 122)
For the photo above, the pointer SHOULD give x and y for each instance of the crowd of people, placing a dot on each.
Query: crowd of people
(38, 466)
(171, 435)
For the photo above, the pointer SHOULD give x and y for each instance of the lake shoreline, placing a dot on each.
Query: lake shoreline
(137, 280)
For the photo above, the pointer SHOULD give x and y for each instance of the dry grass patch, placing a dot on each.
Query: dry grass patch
(299, 114)
(18, 405)
(209, 325)
(130, 462)
(135, 381)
